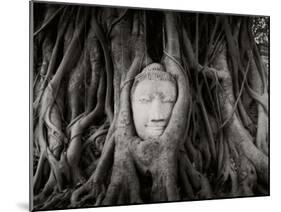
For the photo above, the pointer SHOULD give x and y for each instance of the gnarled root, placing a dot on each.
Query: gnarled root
(124, 185)
(88, 191)
(196, 185)
(234, 128)
(94, 187)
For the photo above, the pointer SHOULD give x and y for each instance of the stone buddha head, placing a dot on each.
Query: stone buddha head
(153, 96)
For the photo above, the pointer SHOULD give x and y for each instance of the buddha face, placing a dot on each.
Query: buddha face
(152, 104)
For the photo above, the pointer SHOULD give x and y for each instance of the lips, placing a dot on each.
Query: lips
(154, 131)
(156, 128)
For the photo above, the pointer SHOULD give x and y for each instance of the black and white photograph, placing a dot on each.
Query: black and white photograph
(135, 105)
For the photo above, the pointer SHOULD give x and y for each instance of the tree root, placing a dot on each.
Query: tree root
(95, 184)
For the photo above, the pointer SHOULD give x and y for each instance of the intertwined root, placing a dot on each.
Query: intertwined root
(88, 191)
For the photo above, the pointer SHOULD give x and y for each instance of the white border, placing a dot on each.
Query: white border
(14, 111)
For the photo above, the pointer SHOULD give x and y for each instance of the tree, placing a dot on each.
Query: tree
(86, 151)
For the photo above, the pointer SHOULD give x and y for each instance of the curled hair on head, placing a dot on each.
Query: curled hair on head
(154, 71)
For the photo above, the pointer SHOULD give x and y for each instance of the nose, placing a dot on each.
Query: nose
(156, 114)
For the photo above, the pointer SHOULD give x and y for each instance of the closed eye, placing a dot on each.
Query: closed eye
(144, 100)
(168, 101)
